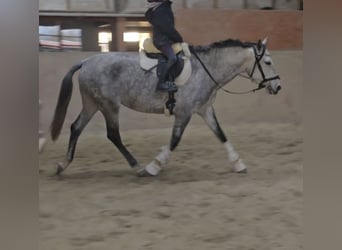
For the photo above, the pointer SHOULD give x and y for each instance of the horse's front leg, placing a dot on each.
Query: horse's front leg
(154, 167)
(208, 114)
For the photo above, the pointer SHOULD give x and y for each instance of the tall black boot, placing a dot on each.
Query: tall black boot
(164, 84)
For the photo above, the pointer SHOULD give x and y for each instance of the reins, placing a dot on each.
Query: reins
(257, 63)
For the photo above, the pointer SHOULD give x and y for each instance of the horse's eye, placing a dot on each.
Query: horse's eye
(268, 63)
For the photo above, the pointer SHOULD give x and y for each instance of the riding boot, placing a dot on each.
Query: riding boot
(164, 84)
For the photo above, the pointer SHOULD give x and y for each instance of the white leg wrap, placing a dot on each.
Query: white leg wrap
(155, 166)
(42, 141)
(232, 155)
(239, 166)
(163, 155)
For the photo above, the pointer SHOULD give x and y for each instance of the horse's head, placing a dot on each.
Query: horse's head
(261, 69)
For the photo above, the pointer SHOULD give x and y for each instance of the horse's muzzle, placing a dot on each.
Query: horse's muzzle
(273, 91)
(278, 89)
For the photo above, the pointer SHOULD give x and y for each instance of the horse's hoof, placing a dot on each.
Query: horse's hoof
(243, 171)
(59, 168)
(153, 168)
(140, 171)
(240, 167)
(143, 173)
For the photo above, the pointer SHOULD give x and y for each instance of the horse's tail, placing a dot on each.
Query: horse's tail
(63, 102)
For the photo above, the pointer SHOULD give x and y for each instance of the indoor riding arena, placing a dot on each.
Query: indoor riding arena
(196, 202)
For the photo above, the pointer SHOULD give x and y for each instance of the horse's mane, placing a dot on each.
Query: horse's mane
(222, 44)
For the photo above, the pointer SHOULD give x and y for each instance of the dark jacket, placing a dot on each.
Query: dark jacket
(163, 24)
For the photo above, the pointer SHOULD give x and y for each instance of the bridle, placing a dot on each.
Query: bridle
(258, 58)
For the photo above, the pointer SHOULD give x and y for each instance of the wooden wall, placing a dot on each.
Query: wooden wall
(284, 29)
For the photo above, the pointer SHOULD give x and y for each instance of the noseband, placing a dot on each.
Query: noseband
(258, 58)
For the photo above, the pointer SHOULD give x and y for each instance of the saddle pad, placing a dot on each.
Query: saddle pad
(150, 48)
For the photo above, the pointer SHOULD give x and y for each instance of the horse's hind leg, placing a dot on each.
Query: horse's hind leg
(76, 129)
(208, 114)
(113, 135)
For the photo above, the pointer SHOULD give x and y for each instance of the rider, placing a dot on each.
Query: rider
(160, 15)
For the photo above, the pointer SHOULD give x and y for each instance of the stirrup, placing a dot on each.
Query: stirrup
(170, 104)
(167, 86)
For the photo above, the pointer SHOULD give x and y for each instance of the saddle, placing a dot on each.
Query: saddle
(153, 60)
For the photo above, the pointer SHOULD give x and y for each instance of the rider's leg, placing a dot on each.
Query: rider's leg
(168, 52)
(163, 83)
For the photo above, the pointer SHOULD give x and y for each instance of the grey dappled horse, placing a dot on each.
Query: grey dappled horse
(108, 80)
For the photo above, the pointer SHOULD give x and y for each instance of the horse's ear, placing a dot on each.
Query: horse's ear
(259, 45)
(264, 42)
